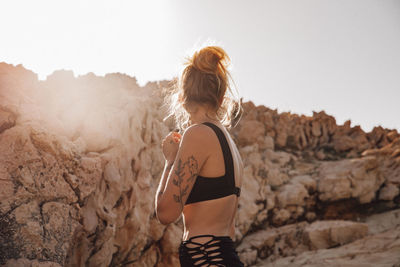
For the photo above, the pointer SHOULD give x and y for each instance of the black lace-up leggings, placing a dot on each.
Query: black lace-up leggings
(218, 251)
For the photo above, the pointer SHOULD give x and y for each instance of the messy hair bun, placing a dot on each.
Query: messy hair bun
(205, 80)
(211, 59)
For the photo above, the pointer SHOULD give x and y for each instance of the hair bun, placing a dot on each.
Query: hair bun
(204, 81)
(210, 59)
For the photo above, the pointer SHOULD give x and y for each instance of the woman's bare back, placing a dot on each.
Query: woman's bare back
(215, 216)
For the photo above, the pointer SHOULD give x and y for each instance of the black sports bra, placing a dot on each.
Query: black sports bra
(206, 188)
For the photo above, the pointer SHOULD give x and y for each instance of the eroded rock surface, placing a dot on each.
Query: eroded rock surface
(81, 160)
(381, 249)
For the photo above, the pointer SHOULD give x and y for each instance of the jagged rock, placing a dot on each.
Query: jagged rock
(170, 243)
(81, 159)
(311, 216)
(248, 257)
(30, 263)
(254, 244)
(280, 216)
(251, 132)
(292, 194)
(297, 239)
(389, 192)
(378, 136)
(171, 239)
(281, 158)
(276, 178)
(326, 234)
(282, 130)
(309, 183)
(357, 178)
(247, 200)
(375, 250)
(250, 111)
(382, 222)
(267, 143)
(272, 243)
(7, 119)
(320, 155)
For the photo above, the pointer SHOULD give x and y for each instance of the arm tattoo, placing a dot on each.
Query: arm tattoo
(193, 168)
(191, 165)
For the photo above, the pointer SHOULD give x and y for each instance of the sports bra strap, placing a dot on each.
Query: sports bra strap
(228, 160)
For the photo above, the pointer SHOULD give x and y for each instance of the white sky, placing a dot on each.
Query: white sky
(340, 56)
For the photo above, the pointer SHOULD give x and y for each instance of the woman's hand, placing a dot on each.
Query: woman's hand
(170, 146)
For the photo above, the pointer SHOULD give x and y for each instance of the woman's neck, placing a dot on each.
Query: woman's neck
(203, 115)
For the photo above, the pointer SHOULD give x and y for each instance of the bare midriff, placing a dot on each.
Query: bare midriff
(212, 217)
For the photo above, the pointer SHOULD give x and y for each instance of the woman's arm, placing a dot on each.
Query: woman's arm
(161, 186)
(170, 146)
(192, 154)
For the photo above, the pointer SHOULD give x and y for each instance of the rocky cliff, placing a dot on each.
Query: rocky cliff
(81, 159)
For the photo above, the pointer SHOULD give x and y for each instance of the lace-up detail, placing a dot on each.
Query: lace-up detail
(218, 251)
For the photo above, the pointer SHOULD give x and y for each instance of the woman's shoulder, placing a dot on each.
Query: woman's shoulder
(198, 133)
(198, 130)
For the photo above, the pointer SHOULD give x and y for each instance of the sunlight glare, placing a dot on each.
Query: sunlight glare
(85, 36)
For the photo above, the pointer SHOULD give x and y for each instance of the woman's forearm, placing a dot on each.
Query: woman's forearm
(163, 181)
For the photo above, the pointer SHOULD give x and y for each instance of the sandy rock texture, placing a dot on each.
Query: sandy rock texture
(79, 167)
(81, 160)
(380, 247)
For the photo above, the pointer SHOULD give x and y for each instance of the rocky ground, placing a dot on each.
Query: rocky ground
(81, 160)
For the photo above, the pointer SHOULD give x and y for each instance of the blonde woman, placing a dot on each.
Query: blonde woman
(203, 169)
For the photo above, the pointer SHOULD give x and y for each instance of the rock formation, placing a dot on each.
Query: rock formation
(81, 159)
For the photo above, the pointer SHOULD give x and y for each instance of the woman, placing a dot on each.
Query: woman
(203, 168)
